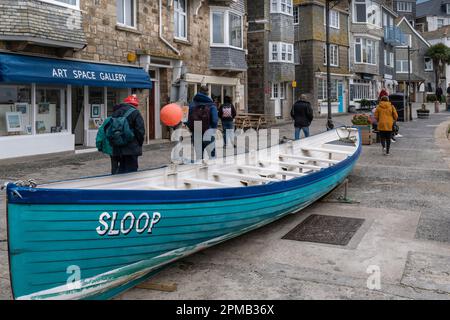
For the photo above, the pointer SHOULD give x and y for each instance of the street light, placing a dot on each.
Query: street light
(330, 124)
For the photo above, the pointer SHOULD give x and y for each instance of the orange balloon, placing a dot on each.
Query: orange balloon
(171, 115)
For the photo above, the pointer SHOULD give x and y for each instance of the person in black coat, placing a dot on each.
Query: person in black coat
(303, 115)
(125, 158)
(439, 94)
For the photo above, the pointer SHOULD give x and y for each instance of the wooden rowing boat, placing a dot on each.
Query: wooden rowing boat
(93, 238)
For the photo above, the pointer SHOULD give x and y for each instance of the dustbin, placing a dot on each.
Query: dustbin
(398, 100)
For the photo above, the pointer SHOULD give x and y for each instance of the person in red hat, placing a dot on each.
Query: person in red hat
(126, 135)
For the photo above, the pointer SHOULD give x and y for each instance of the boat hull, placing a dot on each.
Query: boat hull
(95, 244)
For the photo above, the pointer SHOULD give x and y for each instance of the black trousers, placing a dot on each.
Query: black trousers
(385, 138)
(124, 164)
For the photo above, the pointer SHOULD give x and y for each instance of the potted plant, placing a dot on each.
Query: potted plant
(423, 113)
(364, 124)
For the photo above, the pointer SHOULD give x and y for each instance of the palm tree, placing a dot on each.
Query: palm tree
(440, 54)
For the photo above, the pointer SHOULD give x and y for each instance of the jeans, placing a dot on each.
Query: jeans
(124, 164)
(385, 137)
(298, 132)
(228, 131)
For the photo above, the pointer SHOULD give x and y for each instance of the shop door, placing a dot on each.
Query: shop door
(340, 92)
(78, 114)
(151, 113)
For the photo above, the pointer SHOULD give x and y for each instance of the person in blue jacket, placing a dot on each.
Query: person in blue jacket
(203, 109)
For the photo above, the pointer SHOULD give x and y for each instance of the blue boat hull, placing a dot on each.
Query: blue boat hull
(92, 244)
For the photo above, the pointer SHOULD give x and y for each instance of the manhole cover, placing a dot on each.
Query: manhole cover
(325, 229)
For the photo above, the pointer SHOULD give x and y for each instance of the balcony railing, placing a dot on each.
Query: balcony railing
(394, 36)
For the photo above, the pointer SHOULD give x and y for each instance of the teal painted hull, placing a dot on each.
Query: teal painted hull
(66, 251)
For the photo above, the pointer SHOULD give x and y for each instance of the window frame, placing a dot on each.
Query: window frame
(374, 45)
(425, 64)
(178, 12)
(289, 52)
(134, 16)
(365, 2)
(404, 6)
(62, 4)
(279, 3)
(338, 20)
(296, 15)
(334, 48)
(226, 28)
(402, 64)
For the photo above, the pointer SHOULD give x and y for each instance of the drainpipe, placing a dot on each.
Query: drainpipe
(161, 31)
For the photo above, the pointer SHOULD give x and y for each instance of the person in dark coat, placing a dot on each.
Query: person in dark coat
(125, 158)
(227, 113)
(303, 115)
(202, 108)
(439, 94)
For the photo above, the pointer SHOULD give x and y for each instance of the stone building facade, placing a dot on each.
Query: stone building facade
(172, 40)
(421, 68)
(310, 37)
(271, 58)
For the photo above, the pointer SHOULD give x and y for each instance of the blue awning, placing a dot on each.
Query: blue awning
(16, 68)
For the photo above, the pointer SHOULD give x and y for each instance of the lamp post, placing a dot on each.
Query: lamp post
(330, 124)
(409, 115)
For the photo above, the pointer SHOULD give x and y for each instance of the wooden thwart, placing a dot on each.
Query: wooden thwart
(207, 183)
(327, 150)
(289, 164)
(243, 177)
(291, 156)
(270, 171)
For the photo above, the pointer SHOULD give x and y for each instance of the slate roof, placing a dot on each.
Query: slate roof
(431, 8)
(37, 21)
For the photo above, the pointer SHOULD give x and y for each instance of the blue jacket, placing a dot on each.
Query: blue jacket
(202, 99)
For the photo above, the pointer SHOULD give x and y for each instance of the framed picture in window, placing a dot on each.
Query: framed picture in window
(14, 121)
(44, 108)
(22, 108)
(96, 110)
(40, 127)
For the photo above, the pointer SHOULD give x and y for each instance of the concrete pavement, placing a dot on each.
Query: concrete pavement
(406, 234)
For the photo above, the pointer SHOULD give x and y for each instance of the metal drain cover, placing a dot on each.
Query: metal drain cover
(325, 229)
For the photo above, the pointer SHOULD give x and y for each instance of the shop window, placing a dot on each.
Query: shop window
(15, 110)
(51, 110)
(96, 107)
(216, 93)
(115, 97)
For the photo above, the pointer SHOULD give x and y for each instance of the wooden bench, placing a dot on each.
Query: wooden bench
(250, 121)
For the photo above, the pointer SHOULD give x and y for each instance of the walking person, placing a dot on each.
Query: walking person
(386, 115)
(383, 93)
(124, 133)
(303, 115)
(439, 94)
(227, 113)
(203, 109)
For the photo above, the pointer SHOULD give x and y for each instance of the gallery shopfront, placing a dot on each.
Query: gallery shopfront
(51, 105)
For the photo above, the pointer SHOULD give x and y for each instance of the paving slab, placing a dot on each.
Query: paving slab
(428, 271)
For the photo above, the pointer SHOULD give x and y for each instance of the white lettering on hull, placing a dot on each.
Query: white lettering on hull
(111, 227)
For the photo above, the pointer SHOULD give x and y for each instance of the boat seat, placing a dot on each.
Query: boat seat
(269, 171)
(243, 177)
(289, 164)
(207, 183)
(291, 156)
(330, 151)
